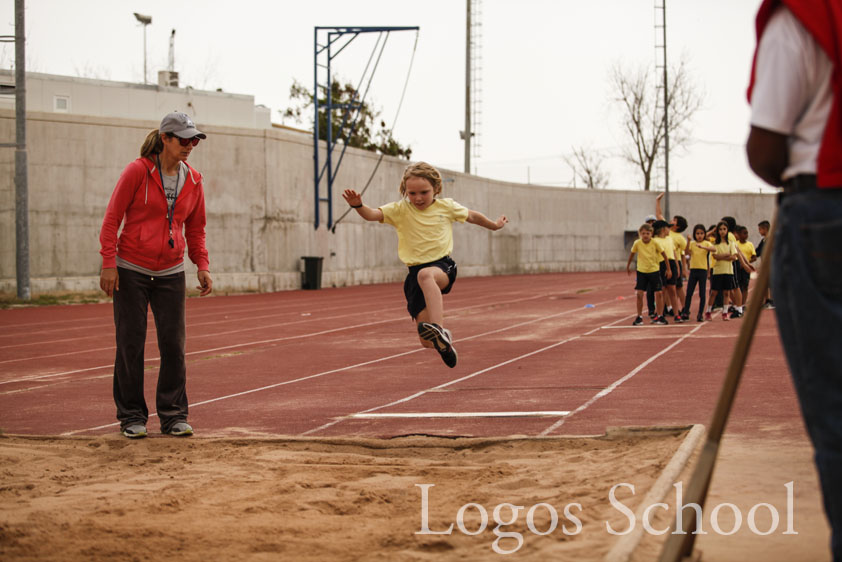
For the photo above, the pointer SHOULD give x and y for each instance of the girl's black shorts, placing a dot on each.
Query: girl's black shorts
(415, 302)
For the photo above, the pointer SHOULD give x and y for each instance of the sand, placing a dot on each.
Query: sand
(107, 498)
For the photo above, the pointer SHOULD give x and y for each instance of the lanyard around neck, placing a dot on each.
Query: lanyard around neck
(170, 206)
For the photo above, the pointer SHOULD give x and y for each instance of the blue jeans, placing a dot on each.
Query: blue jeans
(807, 285)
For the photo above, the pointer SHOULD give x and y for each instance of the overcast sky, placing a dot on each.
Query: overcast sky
(545, 70)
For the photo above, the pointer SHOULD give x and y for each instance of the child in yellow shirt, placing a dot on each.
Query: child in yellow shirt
(425, 241)
(648, 272)
(722, 280)
(668, 264)
(745, 268)
(698, 250)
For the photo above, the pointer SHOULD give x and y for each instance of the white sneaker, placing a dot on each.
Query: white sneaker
(180, 429)
(134, 431)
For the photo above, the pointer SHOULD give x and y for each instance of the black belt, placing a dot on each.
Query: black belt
(800, 183)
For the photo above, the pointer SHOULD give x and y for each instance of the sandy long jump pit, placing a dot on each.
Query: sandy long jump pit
(108, 498)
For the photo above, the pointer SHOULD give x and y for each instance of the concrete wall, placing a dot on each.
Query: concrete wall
(259, 192)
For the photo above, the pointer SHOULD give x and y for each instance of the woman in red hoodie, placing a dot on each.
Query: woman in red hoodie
(160, 201)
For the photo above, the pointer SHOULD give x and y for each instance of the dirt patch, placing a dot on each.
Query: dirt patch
(107, 498)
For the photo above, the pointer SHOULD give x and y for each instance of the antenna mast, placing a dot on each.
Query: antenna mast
(476, 77)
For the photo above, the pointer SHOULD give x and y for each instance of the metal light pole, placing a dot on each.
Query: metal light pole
(21, 178)
(145, 21)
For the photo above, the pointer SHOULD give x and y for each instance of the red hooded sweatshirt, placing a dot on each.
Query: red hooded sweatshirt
(139, 198)
(823, 20)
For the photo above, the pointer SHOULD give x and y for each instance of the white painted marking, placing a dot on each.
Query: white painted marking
(613, 386)
(233, 346)
(535, 414)
(373, 361)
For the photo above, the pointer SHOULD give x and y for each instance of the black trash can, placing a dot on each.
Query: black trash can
(311, 278)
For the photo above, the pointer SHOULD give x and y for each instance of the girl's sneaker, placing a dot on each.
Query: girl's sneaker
(725, 316)
(441, 340)
(638, 321)
(708, 316)
(700, 317)
(685, 316)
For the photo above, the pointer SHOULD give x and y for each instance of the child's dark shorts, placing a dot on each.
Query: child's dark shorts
(673, 268)
(679, 282)
(743, 279)
(722, 282)
(646, 281)
(415, 302)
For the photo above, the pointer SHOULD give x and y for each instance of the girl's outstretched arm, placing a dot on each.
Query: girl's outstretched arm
(475, 217)
(355, 200)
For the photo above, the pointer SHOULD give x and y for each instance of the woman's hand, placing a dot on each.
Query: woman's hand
(205, 283)
(109, 281)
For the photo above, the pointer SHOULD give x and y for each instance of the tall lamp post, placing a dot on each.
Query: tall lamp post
(145, 21)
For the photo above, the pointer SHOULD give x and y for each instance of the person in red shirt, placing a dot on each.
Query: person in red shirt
(795, 143)
(160, 201)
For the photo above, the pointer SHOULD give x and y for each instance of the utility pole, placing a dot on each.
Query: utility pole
(145, 21)
(21, 177)
(467, 132)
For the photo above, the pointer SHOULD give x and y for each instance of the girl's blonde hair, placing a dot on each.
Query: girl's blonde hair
(152, 145)
(421, 170)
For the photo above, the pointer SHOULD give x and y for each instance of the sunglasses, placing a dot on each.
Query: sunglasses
(184, 142)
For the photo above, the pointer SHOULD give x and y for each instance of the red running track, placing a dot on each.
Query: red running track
(534, 359)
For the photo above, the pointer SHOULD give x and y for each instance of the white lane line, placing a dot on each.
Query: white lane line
(295, 314)
(274, 340)
(613, 386)
(267, 387)
(449, 383)
(211, 350)
(650, 325)
(193, 338)
(538, 414)
(373, 361)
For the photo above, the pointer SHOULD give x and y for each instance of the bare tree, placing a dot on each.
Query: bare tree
(587, 166)
(643, 115)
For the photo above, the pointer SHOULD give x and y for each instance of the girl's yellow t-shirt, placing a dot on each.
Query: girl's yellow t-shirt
(699, 257)
(424, 236)
(724, 267)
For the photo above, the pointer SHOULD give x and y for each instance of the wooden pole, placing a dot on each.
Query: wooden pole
(680, 542)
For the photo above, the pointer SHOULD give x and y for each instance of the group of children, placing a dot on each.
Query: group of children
(665, 259)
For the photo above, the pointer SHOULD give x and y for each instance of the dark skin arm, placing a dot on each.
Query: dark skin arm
(768, 154)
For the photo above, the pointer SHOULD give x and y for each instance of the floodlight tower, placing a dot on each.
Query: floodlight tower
(466, 134)
(661, 64)
(145, 21)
